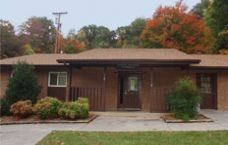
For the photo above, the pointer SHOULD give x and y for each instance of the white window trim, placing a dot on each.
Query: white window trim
(56, 72)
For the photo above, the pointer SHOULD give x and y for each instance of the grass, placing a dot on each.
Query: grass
(135, 138)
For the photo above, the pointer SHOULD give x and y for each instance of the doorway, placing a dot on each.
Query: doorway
(129, 88)
(207, 84)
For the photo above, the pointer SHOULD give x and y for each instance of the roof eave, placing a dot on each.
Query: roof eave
(138, 61)
(209, 67)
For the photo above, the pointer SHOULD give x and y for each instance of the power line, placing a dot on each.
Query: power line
(58, 30)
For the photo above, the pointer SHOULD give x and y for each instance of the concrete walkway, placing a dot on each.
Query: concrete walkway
(30, 134)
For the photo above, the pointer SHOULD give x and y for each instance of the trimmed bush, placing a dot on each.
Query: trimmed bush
(21, 109)
(84, 107)
(23, 84)
(4, 107)
(184, 99)
(75, 110)
(84, 110)
(48, 107)
(83, 100)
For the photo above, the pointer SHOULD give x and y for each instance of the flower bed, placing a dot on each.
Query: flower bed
(170, 118)
(48, 110)
(34, 119)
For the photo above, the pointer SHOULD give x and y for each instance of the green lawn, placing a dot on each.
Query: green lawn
(135, 138)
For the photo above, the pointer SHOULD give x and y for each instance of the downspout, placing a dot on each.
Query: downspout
(104, 87)
(151, 87)
(70, 84)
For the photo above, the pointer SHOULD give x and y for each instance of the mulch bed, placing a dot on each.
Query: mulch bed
(9, 120)
(169, 118)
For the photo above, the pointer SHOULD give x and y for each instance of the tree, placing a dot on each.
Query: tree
(184, 99)
(200, 8)
(128, 36)
(216, 16)
(222, 42)
(173, 27)
(93, 36)
(23, 84)
(27, 49)
(39, 33)
(9, 42)
(71, 44)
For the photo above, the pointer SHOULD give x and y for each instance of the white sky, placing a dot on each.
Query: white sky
(109, 13)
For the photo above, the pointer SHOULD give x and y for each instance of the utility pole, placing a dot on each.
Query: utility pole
(58, 30)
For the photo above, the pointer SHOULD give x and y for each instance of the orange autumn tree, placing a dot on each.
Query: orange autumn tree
(174, 27)
(72, 46)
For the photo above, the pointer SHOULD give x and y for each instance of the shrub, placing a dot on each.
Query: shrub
(47, 107)
(84, 110)
(75, 110)
(184, 99)
(4, 107)
(23, 84)
(21, 109)
(84, 107)
(83, 100)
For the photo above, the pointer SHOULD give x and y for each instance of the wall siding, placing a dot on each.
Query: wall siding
(111, 90)
(152, 97)
(222, 93)
(87, 77)
(5, 74)
(145, 90)
(163, 80)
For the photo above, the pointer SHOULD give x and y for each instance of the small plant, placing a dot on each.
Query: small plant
(48, 107)
(83, 100)
(184, 99)
(84, 105)
(75, 110)
(21, 109)
(4, 107)
(84, 110)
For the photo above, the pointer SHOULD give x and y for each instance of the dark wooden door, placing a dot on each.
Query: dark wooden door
(208, 87)
(129, 91)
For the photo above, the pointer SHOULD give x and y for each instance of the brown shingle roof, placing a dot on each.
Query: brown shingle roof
(114, 54)
(211, 61)
(35, 59)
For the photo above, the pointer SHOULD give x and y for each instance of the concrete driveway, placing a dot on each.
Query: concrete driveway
(30, 134)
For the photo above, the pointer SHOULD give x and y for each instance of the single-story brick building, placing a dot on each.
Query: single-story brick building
(126, 79)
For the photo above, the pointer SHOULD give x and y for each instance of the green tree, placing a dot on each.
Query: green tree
(93, 36)
(184, 99)
(27, 49)
(222, 42)
(200, 8)
(23, 84)
(129, 36)
(39, 33)
(9, 43)
(216, 17)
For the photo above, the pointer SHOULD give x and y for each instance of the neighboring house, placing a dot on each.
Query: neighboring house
(126, 79)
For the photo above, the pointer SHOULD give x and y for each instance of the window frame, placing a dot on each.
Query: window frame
(58, 73)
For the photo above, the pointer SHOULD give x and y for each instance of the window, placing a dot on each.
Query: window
(57, 79)
(205, 84)
(133, 83)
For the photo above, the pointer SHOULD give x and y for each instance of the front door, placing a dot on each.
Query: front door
(207, 84)
(129, 91)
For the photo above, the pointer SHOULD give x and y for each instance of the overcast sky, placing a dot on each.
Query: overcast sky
(109, 13)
